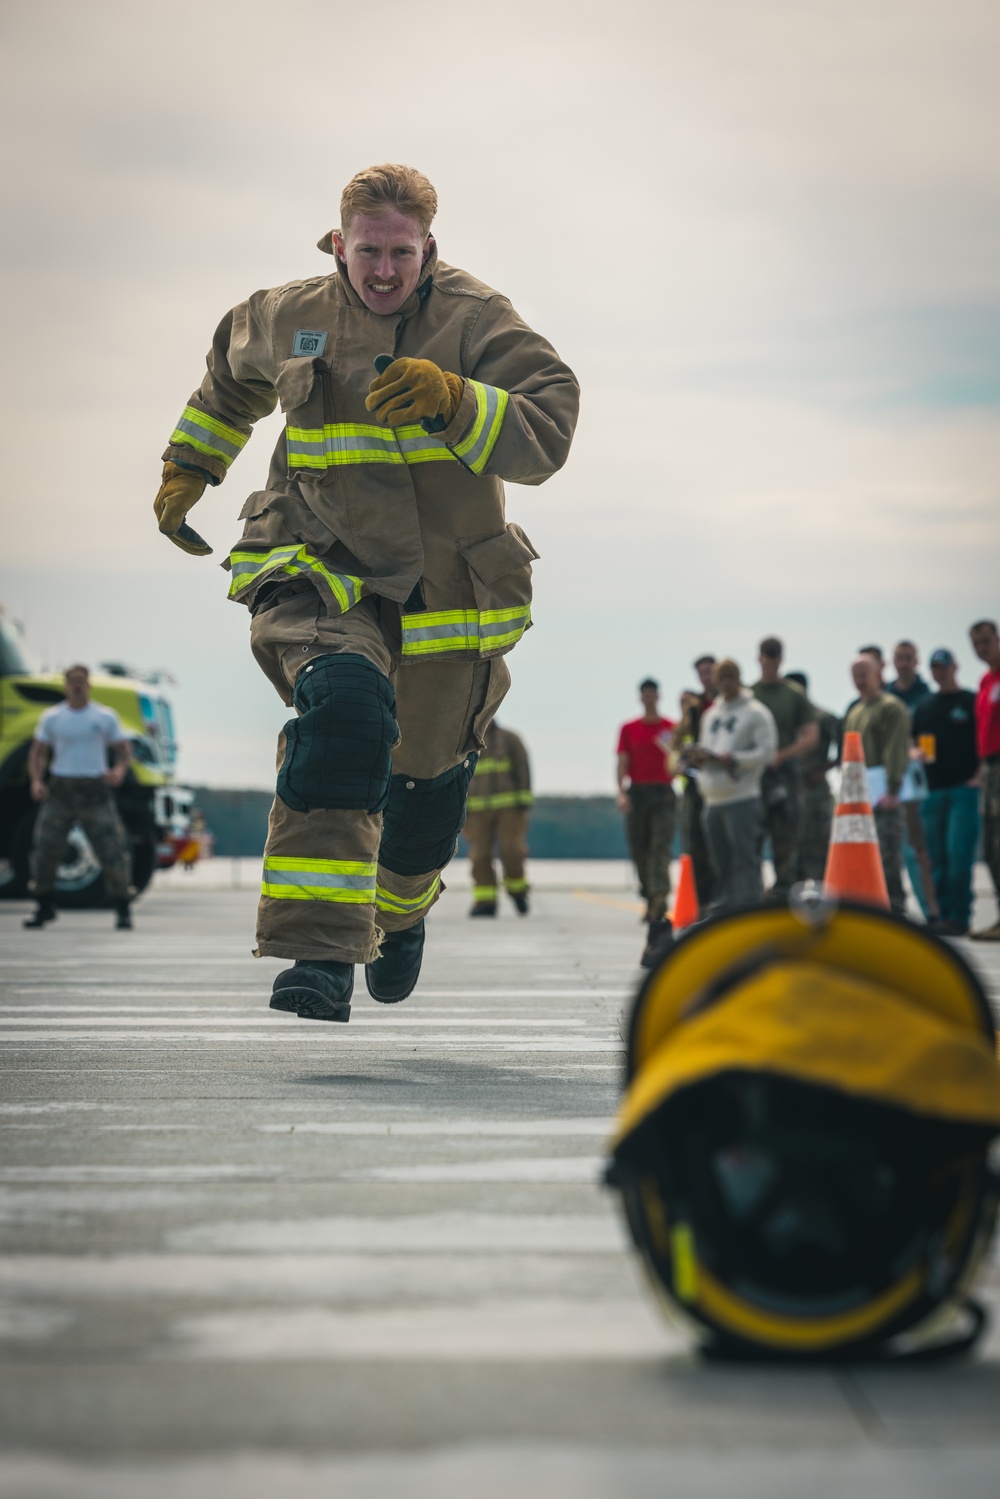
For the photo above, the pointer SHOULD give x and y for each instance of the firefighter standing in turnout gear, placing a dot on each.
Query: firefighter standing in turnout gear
(383, 581)
(498, 809)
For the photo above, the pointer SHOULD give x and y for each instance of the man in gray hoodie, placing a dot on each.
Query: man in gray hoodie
(737, 738)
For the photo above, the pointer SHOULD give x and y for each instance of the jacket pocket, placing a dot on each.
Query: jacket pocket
(283, 539)
(500, 570)
(295, 382)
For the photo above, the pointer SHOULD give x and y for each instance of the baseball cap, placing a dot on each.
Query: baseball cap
(942, 657)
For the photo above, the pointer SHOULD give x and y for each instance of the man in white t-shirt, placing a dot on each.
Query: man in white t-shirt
(73, 742)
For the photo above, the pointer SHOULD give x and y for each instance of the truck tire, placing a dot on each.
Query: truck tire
(80, 882)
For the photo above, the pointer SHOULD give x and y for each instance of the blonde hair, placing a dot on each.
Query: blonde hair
(389, 186)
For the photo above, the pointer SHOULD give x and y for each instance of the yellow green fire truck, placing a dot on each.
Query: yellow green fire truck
(155, 811)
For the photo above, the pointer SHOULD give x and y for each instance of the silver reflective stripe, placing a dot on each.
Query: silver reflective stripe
(458, 630)
(516, 623)
(208, 436)
(266, 560)
(491, 405)
(332, 446)
(854, 827)
(313, 878)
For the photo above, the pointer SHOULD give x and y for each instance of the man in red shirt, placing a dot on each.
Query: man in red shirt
(986, 644)
(646, 796)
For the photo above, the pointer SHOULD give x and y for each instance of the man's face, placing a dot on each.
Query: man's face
(706, 675)
(945, 677)
(727, 686)
(904, 659)
(984, 642)
(384, 254)
(649, 697)
(77, 687)
(865, 673)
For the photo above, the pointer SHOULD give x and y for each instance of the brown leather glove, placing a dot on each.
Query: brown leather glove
(181, 489)
(413, 389)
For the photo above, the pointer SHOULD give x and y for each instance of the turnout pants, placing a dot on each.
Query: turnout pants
(508, 827)
(372, 776)
(85, 801)
(650, 828)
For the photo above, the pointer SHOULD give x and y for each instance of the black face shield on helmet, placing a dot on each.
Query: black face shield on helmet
(802, 1147)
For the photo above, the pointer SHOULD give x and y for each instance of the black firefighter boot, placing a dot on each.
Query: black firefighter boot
(45, 911)
(394, 973)
(315, 989)
(123, 922)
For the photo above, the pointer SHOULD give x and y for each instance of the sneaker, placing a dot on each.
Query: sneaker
(45, 911)
(988, 934)
(315, 989)
(659, 941)
(484, 908)
(393, 975)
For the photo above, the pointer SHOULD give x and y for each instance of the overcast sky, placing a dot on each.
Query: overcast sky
(765, 233)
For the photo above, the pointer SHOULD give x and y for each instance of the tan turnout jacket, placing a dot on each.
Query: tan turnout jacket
(358, 508)
(502, 777)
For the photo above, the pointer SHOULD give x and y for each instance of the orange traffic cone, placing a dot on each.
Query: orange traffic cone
(854, 864)
(686, 910)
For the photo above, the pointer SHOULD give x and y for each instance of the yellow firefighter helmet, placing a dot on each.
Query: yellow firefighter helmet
(802, 1147)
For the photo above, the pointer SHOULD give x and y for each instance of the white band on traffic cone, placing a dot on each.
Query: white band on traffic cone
(854, 827)
(854, 782)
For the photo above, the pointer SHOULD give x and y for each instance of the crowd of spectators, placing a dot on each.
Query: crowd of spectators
(752, 763)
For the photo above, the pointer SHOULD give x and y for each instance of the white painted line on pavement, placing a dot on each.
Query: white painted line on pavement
(556, 1169)
(533, 1329)
(464, 1231)
(449, 1128)
(386, 1277)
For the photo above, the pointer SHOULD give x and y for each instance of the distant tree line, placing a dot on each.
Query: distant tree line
(562, 827)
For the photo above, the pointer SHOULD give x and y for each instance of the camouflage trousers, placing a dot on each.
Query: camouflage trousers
(889, 827)
(779, 790)
(88, 802)
(650, 828)
(991, 820)
(815, 821)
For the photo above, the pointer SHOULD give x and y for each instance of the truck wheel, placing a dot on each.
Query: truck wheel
(80, 879)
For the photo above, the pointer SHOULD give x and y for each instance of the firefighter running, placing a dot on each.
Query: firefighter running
(384, 583)
(498, 810)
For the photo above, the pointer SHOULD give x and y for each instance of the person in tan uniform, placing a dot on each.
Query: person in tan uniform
(498, 808)
(383, 581)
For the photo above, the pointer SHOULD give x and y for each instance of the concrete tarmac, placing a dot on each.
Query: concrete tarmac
(247, 1255)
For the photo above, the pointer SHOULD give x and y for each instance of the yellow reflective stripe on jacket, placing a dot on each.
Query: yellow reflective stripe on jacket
(249, 567)
(487, 767)
(437, 632)
(401, 905)
(362, 442)
(206, 434)
(477, 446)
(347, 881)
(499, 801)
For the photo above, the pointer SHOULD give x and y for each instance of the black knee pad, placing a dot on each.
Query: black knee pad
(339, 752)
(423, 820)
